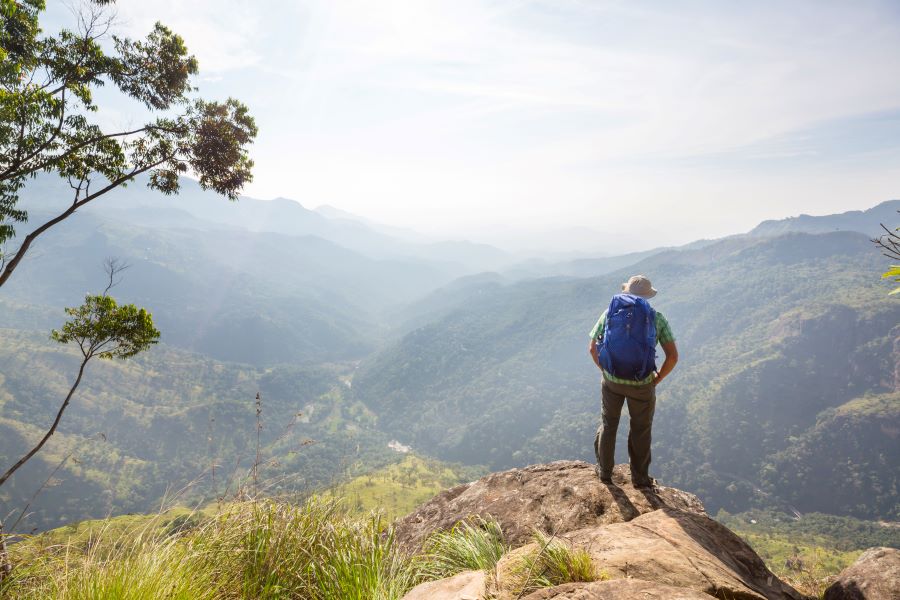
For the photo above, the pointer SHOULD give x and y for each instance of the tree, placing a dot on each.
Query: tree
(100, 328)
(46, 105)
(46, 126)
(889, 243)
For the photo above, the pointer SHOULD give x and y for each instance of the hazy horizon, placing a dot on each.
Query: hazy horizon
(502, 121)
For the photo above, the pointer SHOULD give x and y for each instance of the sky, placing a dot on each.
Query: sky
(563, 124)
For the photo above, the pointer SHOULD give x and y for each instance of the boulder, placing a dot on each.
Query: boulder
(556, 498)
(616, 589)
(468, 585)
(874, 576)
(670, 547)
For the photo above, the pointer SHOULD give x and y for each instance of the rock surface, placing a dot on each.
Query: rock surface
(675, 548)
(557, 497)
(468, 585)
(616, 589)
(874, 576)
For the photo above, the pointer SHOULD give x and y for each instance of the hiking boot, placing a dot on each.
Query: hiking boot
(604, 477)
(648, 483)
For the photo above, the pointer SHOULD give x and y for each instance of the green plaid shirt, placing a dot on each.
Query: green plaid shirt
(663, 336)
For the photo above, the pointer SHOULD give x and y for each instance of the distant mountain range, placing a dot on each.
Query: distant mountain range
(787, 386)
(863, 221)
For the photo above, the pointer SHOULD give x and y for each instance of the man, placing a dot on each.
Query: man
(638, 390)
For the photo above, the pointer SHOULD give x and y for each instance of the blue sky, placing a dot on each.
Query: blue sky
(529, 122)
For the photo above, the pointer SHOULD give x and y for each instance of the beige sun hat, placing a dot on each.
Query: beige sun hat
(639, 286)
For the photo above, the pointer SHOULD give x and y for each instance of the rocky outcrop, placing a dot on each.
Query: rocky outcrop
(669, 547)
(617, 589)
(874, 576)
(642, 543)
(556, 498)
(468, 585)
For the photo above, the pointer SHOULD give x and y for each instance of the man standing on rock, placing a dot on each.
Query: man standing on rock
(623, 346)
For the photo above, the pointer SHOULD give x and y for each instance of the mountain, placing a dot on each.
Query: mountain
(258, 298)
(153, 427)
(402, 233)
(780, 338)
(864, 221)
(788, 343)
(245, 281)
(198, 209)
(867, 222)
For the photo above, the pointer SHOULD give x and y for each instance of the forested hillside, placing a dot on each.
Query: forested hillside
(787, 389)
(171, 423)
(227, 279)
(788, 360)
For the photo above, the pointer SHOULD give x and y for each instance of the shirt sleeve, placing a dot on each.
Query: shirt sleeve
(597, 331)
(664, 333)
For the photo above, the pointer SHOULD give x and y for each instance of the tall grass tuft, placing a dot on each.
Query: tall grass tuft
(260, 550)
(475, 544)
(553, 562)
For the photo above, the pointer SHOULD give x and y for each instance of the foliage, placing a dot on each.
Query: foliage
(48, 101)
(177, 425)
(102, 328)
(894, 272)
(809, 552)
(474, 544)
(503, 378)
(553, 562)
(842, 534)
(252, 550)
(889, 244)
(400, 487)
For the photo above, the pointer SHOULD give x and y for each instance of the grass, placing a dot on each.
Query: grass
(810, 568)
(399, 488)
(473, 545)
(809, 552)
(553, 562)
(261, 550)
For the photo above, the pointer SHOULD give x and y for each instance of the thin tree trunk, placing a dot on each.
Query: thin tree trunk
(5, 566)
(29, 239)
(52, 430)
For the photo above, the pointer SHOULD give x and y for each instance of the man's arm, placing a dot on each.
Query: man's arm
(596, 333)
(671, 359)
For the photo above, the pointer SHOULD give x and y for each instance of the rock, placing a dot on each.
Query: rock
(557, 497)
(468, 585)
(874, 576)
(616, 589)
(675, 548)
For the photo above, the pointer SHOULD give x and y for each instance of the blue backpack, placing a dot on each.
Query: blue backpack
(628, 347)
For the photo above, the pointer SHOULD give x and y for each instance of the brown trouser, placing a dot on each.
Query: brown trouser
(641, 405)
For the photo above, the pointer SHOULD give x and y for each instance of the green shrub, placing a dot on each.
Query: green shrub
(475, 544)
(553, 562)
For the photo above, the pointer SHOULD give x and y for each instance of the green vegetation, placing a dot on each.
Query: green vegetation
(889, 244)
(474, 545)
(503, 379)
(253, 550)
(171, 424)
(809, 551)
(49, 100)
(101, 328)
(553, 562)
(398, 488)
(266, 550)
(843, 534)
